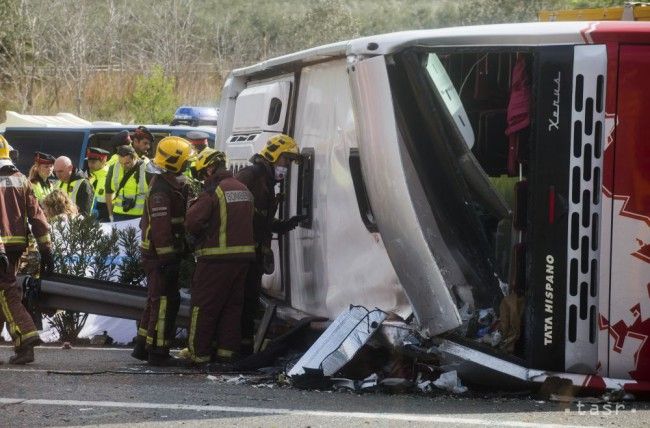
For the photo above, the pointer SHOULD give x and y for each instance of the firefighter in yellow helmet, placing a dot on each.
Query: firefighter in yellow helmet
(162, 247)
(221, 224)
(268, 168)
(19, 210)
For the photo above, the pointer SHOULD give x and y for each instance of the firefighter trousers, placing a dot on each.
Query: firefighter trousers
(252, 290)
(19, 323)
(217, 300)
(157, 326)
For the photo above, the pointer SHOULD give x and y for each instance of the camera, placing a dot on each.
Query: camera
(128, 204)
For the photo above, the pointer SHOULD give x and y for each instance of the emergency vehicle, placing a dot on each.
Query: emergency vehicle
(447, 169)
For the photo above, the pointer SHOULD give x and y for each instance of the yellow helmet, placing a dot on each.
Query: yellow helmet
(172, 153)
(5, 148)
(278, 145)
(209, 157)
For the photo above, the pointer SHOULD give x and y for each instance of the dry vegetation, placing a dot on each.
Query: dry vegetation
(90, 57)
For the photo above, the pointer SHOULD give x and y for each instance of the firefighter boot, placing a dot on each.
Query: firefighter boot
(139, 352)
(162, 359)
(24, 355)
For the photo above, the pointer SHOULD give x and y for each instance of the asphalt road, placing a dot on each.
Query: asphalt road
(85, 386)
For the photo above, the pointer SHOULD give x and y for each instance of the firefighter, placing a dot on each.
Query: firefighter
(40, 175)
(220, 221)
(142, 141)
(97, 159)
(268, 167)
(199, 141)
(163, 244)
(126, 186)
(75, 184)
(18, 207)
(122, 138)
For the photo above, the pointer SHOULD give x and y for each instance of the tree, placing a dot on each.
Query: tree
(153, 100)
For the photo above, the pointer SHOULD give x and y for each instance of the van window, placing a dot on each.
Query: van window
(56, 143)
(275, 109)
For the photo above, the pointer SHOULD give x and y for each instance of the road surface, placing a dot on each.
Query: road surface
(105, 386)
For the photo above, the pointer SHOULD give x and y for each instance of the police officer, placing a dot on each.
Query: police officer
(199, 141)
(126, 186)
(163, 244)
(220, 221)
(122, 138)
(18, 207)
(40, 175)
(75, 184)
(268, 168)
(98, 169)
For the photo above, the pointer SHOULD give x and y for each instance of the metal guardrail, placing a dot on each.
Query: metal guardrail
(62, 292)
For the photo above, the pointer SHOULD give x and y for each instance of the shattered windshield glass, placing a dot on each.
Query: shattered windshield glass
(469, 205)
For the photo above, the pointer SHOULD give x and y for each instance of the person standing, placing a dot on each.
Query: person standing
(122, 138)
(40, 175)
(268, 168)
(220, 222)
(18, 208)
(142, 141)
(163, 244)
(126, 186)
(75, 184)
(199, 141)
(97, 168)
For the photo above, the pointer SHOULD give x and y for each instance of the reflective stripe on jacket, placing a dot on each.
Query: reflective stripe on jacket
(161, 225)
(134, 189)
(221, 219)
(18, 208)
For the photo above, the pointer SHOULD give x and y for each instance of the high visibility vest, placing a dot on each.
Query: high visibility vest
(113, 160)
(133, 189)
(98, 181)
(41, 191)
(71, 189)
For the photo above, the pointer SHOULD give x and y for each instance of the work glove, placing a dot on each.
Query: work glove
(4, 263)
(287, 225)
(47, 263)
(294, 221)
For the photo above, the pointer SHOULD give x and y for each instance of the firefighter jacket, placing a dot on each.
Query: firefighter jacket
(260, 180)
(18, 208)
(161, 225)
(41, 188)
(98, 181)
(80, 191)
(128, 197)
(221, 220)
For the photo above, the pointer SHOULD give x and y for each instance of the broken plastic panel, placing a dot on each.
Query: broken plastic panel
(341, 341)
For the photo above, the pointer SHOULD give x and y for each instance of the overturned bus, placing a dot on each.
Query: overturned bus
(459, 173)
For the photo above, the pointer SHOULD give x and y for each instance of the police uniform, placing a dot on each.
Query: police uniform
(128, 195)
(98, 181)
(79, 191)
(41, 187)
(196, 139)
(122, 138)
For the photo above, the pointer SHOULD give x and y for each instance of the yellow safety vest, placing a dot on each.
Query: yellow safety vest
(98, 181)
(113, 160)
(136, 190)
(41, 191)
(71, 189)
